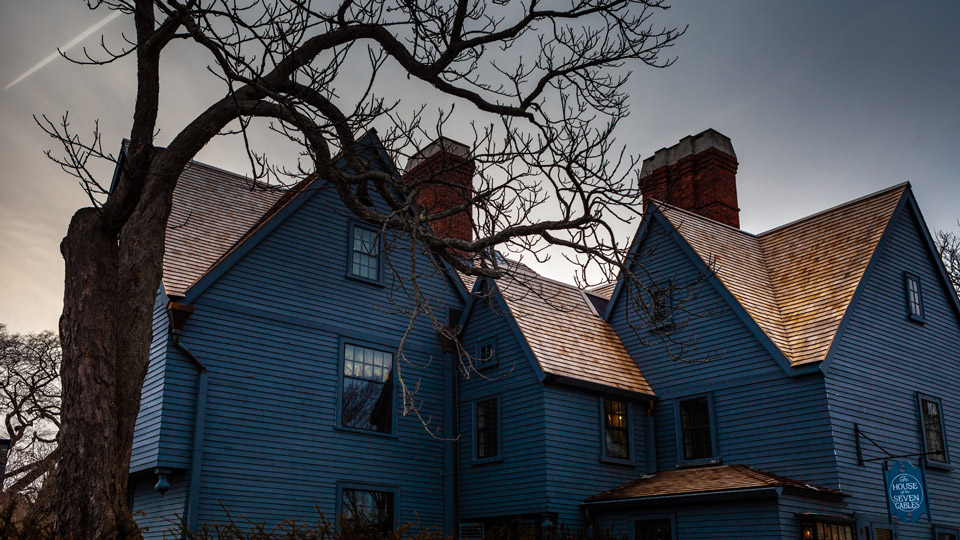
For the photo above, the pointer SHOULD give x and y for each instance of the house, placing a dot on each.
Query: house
(740, 386)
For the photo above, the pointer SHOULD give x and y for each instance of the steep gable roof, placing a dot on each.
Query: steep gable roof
(796, 281)
(567, 339)
(212, 210)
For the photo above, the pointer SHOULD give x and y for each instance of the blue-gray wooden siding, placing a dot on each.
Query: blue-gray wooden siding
(764, 418)
(268, 332)
(517, 483)
(159, 515)
(882, 360)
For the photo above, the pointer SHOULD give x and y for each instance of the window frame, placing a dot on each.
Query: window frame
(630, 460)
(945, 464)
(907, 278)
(668, 306)
(494, 357)
(369, 486)
(343, 341)
(353, 226)
(815, 520)
(715, 457)
(475, 442)
(656, 517)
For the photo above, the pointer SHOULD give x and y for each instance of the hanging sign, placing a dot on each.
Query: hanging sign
(906, 494)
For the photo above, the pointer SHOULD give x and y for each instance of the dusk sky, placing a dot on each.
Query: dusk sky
(824, 102)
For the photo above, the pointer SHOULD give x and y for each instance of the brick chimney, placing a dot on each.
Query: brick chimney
(446, 169)
(698, 174)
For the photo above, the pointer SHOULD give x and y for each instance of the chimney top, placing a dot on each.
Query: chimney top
(688, 146)
(442, 144)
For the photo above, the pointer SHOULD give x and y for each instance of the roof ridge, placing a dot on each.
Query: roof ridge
(701, 217)
(835, 208)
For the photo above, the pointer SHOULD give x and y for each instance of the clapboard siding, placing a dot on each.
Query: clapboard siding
(269, 331)
(146, 434)
(764, 418)
(573, 449)
(159, 515)
(883, 359)
(517, 484)
(754, 519)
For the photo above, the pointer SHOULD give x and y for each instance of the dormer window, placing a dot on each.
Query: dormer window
(914, 297)
(365, 258)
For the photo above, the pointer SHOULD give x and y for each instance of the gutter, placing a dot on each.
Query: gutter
(712, 496)
(179, 313)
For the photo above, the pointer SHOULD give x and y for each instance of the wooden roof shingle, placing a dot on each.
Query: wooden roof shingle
(796, 281)
(703, 480)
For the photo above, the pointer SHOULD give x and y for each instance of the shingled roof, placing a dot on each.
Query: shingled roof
(704, 480)
(796, 281)
(566, 337)
(212, 210)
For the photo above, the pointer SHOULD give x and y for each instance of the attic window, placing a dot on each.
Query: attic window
(662, 306)
(365, 253)
(914, 297)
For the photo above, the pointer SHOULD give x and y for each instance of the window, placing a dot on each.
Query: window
(366, 400)
(914, 297)
(881, 532)
(485, 355)
(931, 423)
(616, 430)
(661, 305)
(653, 529)
(814, 529)
(367, 507)
(365, 253)
(696, 430)
(487, 432)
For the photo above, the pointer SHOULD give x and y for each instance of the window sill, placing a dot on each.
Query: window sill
(623, 462)
(358, 431)
(699, 462)
(487, 461)
(375, 282)
(938, 465)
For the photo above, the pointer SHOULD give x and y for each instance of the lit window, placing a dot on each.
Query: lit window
(616, 433)
(365, 253)
(487, 434)
(366, 507)
(696, 433)
(653, 529)
(817, 529)
(367, 397)
(914, 298)
(931, 418)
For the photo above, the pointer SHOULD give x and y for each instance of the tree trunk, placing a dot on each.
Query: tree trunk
(111, 280)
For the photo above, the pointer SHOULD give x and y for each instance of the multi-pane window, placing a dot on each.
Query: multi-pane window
(616, 434)
(487, 440)
(932, 419)
(661, 308)
(695, 431)
(653, 529)
(367, 507)
(365, 253)
(824, 530)
(367, 397)
(914, 297)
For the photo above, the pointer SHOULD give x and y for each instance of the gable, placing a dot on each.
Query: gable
(796, 281)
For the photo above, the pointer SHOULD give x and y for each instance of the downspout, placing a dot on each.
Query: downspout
(179, 313)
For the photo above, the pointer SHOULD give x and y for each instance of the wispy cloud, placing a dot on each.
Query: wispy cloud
(65, 47)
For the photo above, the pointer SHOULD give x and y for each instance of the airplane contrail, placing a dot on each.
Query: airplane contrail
(66, 46)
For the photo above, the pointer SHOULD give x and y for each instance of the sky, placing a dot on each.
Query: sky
(824, 102)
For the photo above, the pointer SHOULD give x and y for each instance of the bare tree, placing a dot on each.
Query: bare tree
(544, 82)
(30, 385)
(948, 246)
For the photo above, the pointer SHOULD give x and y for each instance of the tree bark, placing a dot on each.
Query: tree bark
(112, 277)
